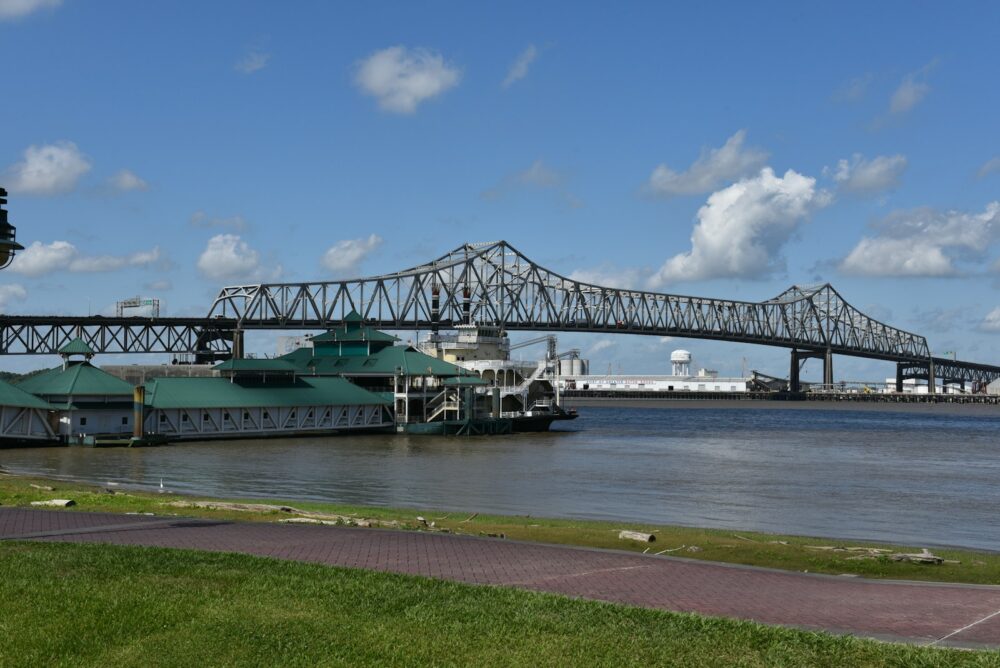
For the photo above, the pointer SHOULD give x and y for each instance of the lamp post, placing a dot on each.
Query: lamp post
(8, 246)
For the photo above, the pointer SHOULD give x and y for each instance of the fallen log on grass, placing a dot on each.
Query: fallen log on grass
(637, 535)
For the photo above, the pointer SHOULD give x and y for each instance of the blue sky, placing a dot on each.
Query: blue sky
(724, 150)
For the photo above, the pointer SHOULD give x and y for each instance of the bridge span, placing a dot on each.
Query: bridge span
(494, 283)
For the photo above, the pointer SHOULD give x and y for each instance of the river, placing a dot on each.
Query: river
(910, 477)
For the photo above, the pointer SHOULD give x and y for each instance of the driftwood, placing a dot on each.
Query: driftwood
(56, 503)
(637, 535)
(469, 518)
(44, 487)
(922, 557)
(322, 518)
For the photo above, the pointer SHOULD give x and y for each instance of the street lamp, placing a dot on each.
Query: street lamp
(8, 246)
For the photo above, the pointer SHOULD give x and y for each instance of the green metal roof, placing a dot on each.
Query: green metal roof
(356, 334)
(224, 393)
(77, 379)
(385, 362)
(15, 396)
(258, 365)
(76, 347)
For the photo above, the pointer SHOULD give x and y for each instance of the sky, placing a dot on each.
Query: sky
(714, 149)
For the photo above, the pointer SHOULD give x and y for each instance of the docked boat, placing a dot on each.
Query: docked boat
(525, 390)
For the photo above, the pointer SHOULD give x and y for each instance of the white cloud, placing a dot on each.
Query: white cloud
(869, 177)
(610, 277)
(989, 167)
(520, 67)
(924, 242)
(227, 256)
(159, 285)
(854, 89)
(252, 62)
(600, 346)
(344, 257)
(537, 175)
(400, 78)
(11, 292)
(991, 323)
(49, 169)
(12, 9)
(126, 180)
(202, 220)
(712, 168)
(912, 89)
(39, 259)
(741, 229)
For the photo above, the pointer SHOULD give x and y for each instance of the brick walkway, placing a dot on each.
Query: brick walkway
(955, 615)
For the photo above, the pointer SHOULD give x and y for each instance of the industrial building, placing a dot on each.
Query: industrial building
(680, 380)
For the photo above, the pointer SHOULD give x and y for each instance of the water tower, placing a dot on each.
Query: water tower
(8, 246)
(680, 360)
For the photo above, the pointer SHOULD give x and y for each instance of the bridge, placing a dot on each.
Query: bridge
(494, 283)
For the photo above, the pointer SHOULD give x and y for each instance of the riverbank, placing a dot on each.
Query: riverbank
(793, 553)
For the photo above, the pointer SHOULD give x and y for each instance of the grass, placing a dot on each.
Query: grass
(737, 547)
(92, 605)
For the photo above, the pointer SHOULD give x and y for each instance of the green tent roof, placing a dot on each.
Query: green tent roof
(77, 379)
(258, 365)
(76, 347)
(15, 396)
(223, 393)
(382, 363)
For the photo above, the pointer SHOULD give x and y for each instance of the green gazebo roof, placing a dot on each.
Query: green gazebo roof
(15, 396)
(76, 379)
(76, 347)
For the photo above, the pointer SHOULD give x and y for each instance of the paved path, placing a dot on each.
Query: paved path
(957, 615)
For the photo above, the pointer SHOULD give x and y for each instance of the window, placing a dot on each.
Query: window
(83, 422)
(204, 417)
(125, 420)
(184, 417)
(163, 418)
(266, 415)
(246, 415)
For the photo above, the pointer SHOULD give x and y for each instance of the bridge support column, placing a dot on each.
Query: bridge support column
(828, 368)
(238, 344)
(931, 380)
(899, 377)
(793, 373)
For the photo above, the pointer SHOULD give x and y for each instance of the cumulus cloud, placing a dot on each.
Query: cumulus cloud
(49, 169)
(991, 323)
(924, 242)
(227, 256)
(911, 90)
(400, 78)
(204, 221)
(989, 167)
(126, 180)
(11, 292)
(742, 229)
(252, 62)
(344, 257)
(520, 67)
(712, 168)
(13, 9)
(610, 277)
(869, 177)
(39, 259)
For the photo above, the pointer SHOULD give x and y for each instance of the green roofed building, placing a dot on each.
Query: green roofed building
(247, 405)
(416, 382)
(25, 417)
(89, 401)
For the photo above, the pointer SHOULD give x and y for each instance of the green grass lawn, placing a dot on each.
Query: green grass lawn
(93, 605)
(739, 547)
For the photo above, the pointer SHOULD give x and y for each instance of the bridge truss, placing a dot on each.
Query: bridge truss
(495, 284)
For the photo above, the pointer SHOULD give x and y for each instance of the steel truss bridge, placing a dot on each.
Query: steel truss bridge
(495, 284)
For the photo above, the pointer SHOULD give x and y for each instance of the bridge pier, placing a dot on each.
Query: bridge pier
(799, 356)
